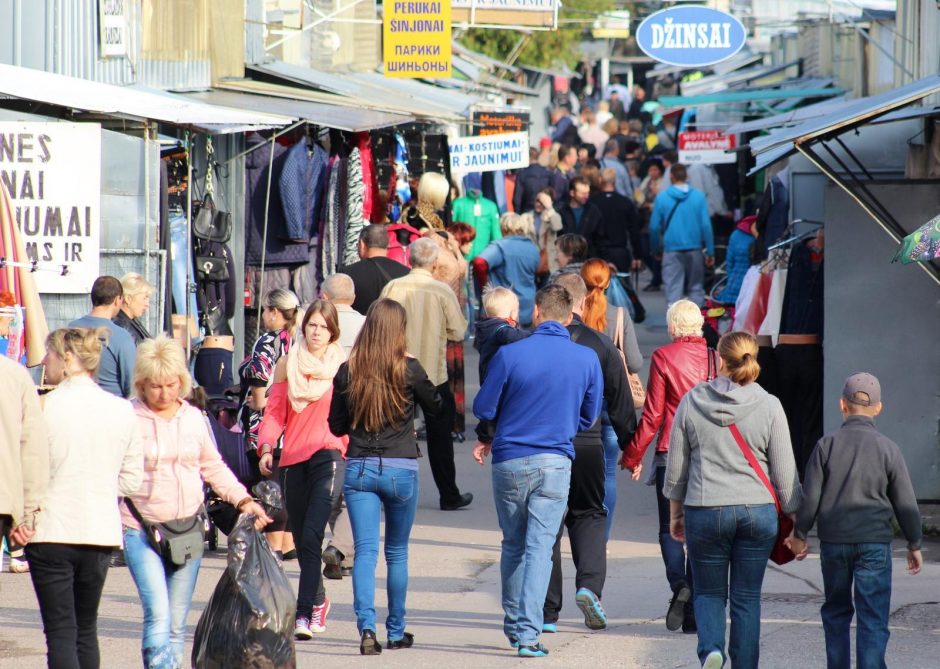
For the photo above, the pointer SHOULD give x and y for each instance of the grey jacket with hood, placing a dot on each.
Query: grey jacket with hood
(705, 465)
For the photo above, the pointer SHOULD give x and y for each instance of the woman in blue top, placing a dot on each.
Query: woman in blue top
(374, 399)
(512, 262)
(738, 259)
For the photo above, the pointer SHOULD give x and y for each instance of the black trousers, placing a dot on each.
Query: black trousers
(441, 447)
(800, 389)
(68, 580)
(586, 520)
(309, 490)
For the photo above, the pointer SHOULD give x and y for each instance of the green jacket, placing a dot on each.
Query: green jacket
(483, 215)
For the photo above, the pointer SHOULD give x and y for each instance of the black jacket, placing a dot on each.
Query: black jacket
(617, 395)
(394, 441)
(530, 181)
(617, 237)
(590, 220)
(134, 327)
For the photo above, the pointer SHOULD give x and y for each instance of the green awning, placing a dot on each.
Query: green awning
(752, 95)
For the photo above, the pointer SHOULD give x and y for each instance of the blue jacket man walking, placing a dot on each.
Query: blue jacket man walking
(679, 229)
(541, 392)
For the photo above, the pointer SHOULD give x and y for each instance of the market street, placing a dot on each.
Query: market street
(454, 606)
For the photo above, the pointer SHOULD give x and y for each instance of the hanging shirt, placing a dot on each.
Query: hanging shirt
(483, 216)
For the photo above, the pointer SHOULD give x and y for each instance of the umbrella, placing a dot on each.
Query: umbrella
(16, 278)
(922, 245)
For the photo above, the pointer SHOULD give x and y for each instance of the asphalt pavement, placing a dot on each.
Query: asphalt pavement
(453, 597)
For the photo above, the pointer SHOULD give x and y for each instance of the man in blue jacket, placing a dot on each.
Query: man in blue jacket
(541, 392)
(679, 229)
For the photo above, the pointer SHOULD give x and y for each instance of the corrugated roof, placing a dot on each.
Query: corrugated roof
(130, 102)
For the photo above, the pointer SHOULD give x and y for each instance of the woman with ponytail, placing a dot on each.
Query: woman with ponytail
(719, 505)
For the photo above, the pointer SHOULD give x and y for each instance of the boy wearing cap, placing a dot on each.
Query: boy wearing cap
(855, 481)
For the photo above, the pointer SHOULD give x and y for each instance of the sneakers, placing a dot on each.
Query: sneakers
(590, 605)
(302, 631)
(318, 617)
(676, 613)
(713, 661)
(549, 628)
(368, 644)
(538, 650)
(689, 625)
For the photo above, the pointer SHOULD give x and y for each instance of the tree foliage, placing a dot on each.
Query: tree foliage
(542, 48)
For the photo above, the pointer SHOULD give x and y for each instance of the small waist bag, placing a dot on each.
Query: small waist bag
(176, 541)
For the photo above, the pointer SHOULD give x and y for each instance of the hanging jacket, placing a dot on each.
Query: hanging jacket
(481, 214)
(302, 183)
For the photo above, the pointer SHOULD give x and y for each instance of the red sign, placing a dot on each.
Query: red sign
(706, 146)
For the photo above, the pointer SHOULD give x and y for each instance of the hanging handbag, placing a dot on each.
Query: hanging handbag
(176, 541)
(780, 554)
(636, 383)
(211, 268)
(210, 223)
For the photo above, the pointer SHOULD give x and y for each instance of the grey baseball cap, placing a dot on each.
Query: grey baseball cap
(862, 388)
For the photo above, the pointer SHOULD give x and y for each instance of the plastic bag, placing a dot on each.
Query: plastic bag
(617, 296)
(249, 620)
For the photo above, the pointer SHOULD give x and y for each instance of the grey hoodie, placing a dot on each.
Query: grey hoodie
(705, 465)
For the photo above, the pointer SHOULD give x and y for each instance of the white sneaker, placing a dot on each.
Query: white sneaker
(713, 661)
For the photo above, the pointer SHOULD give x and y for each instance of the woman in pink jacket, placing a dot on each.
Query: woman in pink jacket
(178, 456)
(299, 407)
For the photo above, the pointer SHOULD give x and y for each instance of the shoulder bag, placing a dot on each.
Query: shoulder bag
(780, 553)
(636, 384)
(176, 541)
(209, 223)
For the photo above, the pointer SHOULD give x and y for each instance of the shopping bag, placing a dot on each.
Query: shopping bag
(249, 620)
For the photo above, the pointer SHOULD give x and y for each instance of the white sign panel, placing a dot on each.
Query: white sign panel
(489, 153)
(509, 5)
(706, 146)
(113, 27)
(53, 174)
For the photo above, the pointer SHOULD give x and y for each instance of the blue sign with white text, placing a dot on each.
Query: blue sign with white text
(691, 35)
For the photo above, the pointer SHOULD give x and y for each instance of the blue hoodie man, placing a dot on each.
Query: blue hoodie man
(679, 229)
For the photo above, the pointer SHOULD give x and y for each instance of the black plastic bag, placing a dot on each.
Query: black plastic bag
(249, 621)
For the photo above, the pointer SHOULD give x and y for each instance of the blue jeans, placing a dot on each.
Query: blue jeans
(612, 455)
(166, 592)
(368, 489)
(869, 565)
(678, 567)
(738, 538)
(179, 257)
(531, 494)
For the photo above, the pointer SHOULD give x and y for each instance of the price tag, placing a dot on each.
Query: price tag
(477, 210)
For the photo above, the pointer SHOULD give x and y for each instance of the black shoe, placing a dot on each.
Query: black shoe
(290, 555)
(407, 641)
(346, 571)
(688, 620)
(369, 645)
(652, 288)
(676, 613)
(117, 559)
(333, 572)
(459, 503)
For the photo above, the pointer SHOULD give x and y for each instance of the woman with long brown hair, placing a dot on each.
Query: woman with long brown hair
(374, 403)
(616, 323)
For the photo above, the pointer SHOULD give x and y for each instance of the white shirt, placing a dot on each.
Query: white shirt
(350, 322)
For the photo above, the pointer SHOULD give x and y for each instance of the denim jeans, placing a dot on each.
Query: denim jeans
(678, 567)
(869, 566)
(684, 275)
(530, 494)
(612, 455)
(179, 258)
(368, 489)
(166, 592)
(738, 538)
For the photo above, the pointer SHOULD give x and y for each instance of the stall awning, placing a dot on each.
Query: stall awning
(747, 95)
(482, 59)
(796, 116)
(130, 102)
(353, 119)
(736, 77)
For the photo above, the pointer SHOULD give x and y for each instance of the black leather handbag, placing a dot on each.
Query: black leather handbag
(211, 268)
(210, 223)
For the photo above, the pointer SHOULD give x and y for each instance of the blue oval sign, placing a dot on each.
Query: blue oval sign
(693, 36)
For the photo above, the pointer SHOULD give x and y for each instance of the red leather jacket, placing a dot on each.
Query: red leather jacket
(674, 370)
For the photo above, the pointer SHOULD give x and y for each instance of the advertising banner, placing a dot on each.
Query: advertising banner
(493, 152)
(53, 174)
(417, 39)
(499, 123)
(692, 36)
(540, 13)
(706, 146)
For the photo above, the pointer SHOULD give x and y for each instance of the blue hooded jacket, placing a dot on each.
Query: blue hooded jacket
(689, 229)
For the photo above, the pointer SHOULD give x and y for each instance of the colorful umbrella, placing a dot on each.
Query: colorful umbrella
(16, 278)
(922, 245)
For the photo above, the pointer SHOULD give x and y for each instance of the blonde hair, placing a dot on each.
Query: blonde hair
(135, 284)
(738, 350)
(500, 302)
(287, 303)
(684, 319)
(160, 359)
(434, 189)
(84, 343)
(513, 224)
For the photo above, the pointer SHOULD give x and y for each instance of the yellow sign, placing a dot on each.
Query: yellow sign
(417, 39)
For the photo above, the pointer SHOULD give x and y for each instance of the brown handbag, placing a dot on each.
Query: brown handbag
(636, 383)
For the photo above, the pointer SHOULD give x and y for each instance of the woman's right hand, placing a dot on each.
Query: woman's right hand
(677, 528)
(265, 464)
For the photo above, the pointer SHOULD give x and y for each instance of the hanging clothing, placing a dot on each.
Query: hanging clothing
(302, 183)
(770, 326)
(179, 258)
(335, 211)
(355, 199)
(482, 215)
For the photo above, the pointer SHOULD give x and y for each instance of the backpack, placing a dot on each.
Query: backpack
(400, 236)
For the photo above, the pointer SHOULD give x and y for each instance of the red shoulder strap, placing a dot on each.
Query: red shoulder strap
(749, 454)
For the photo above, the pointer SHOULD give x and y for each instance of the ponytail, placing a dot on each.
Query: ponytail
(596, 275)
(738, 350)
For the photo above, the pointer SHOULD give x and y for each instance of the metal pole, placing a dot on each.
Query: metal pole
(147, 229)
(264, 238)
(189, 240)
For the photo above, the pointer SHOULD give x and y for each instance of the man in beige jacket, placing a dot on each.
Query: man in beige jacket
(24, 451)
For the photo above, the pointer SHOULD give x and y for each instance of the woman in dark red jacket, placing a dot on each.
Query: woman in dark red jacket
(674, 370)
